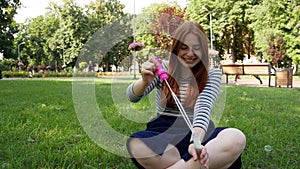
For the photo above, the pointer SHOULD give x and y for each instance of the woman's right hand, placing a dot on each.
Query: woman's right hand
(148, 71)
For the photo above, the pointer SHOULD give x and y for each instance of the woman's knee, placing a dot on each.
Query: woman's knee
(139, 149)
(237, 141)
(240, 138)
(148, 158)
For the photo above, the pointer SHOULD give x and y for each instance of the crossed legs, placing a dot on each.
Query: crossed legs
(223, 151)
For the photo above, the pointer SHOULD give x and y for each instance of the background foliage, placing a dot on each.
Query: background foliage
(240, 28)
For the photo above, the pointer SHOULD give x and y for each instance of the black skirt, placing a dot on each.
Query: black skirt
(165, 130)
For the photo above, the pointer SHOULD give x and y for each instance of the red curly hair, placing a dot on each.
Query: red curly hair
(199, 71)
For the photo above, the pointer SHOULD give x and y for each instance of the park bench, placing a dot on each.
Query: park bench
(261, 69)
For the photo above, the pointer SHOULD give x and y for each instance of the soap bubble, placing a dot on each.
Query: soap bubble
(268, 148)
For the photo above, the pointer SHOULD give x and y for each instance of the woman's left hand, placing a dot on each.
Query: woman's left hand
(201, 155)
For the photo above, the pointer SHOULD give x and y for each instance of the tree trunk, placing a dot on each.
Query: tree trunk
(107, 66)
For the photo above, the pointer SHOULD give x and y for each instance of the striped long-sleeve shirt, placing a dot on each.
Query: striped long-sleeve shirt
(200, 115)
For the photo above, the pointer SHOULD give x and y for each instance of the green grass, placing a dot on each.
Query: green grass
(268, 117)
(39, 127)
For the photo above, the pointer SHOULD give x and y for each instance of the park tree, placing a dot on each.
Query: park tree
(103, 14)
(36, 33)
(277, 18)
(142, 26)
(8, 26)
(57, 38)
(53, 39)
(277, 50)
(230, 31)
(164, 27)
(156, 26)
(70, 35)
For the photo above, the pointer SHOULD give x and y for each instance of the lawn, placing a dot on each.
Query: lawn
(54, 124)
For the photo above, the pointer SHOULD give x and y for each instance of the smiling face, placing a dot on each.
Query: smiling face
(190, 51)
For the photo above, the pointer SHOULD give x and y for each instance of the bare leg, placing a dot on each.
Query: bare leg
(225, 148)
(236, 78)
(223, 151)
(149, 159)
(190, 164)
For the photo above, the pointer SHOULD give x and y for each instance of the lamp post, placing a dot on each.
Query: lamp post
(210, 26)
(211, 35)
(19, 53)
(134, 52)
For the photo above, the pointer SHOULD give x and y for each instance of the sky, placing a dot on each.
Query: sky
(34, 8)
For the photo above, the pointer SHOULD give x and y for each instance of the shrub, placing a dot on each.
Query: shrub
(3, 67)
(10, 74)
(82, 65)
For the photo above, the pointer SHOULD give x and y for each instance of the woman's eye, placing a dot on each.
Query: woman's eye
(184, 47)
(198, 47)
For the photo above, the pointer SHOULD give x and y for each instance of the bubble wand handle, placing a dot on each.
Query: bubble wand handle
(160, 71)
(163, 76)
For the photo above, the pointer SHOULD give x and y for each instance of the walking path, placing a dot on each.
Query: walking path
(252, 81)
(244, 81)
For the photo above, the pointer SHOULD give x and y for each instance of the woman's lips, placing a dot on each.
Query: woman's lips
(189, 60)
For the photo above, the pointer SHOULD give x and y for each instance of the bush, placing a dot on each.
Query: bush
(82, 65)
(3, 67)
(10, 74)
(85, 74)
(38, 75)
(17, 74)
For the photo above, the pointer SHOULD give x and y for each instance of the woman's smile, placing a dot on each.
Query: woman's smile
(189, 60)
(187, 52)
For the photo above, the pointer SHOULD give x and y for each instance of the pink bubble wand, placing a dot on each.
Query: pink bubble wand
(164, 76)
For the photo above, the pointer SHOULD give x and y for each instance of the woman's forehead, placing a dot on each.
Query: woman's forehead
(191, 39)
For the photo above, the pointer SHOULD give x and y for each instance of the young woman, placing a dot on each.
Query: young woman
(167, 142)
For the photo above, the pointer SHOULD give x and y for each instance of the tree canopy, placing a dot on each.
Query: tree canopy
(7, 25)
(57, 38)
(244, 28)
(239, 28)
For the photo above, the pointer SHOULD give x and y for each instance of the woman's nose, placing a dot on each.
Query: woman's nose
(190, 52)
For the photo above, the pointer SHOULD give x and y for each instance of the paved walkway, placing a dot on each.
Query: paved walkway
(244, 81)
(252, 81)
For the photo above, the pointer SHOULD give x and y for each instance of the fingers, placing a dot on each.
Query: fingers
(204, 157)
(149, 66)
(148, 70)
(201, 155)
(193, 152)
(195, 155)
